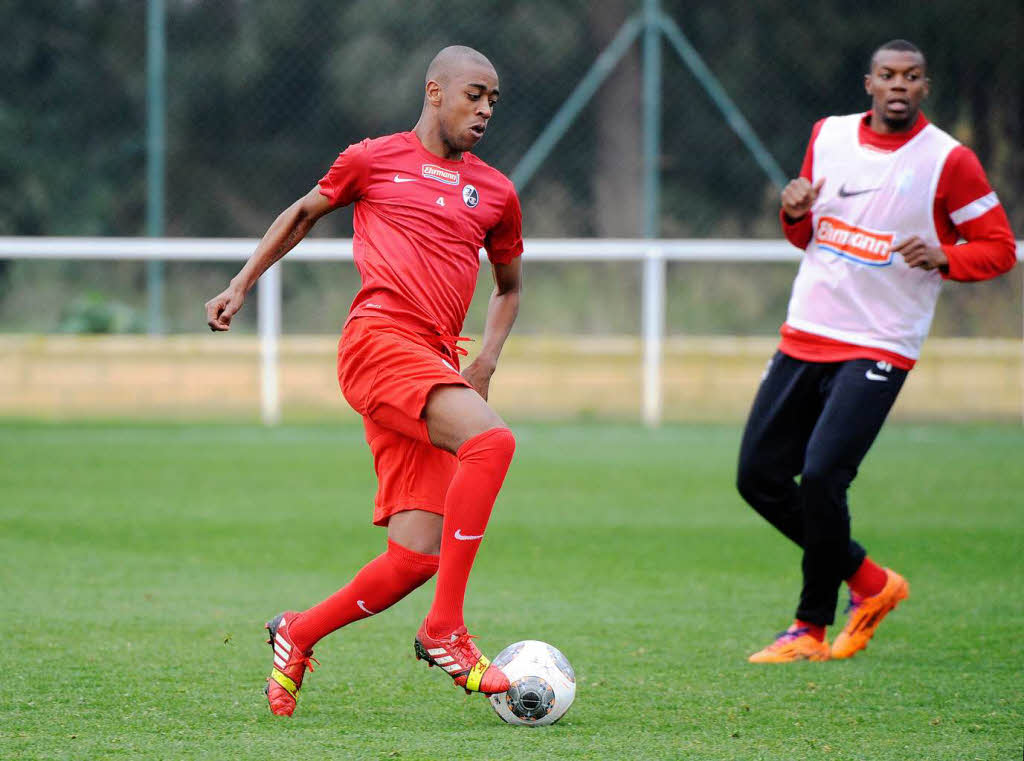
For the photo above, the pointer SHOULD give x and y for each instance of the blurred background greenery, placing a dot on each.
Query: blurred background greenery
(262, 95)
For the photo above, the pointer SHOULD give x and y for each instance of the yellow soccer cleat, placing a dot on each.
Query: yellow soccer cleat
(794, 644)
(867, 613)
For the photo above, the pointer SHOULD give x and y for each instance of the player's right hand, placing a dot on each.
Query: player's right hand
(222, 307)
(799, 196)
(479, 373)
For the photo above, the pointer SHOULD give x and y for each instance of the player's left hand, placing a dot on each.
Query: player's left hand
(479, 376)
(917, 253)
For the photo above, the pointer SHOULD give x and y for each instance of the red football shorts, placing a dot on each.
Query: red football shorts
(386, 373)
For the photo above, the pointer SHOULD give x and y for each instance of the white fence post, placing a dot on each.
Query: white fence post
(269, 308)
(653, 332)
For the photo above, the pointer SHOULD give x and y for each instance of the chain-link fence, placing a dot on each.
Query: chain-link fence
(262, 95)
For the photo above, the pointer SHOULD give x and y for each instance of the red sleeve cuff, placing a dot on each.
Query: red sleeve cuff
(798, 233)
(504, 257)
(977, 260)
(948, 272)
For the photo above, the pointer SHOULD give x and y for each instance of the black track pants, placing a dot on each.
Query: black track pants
(816, 420)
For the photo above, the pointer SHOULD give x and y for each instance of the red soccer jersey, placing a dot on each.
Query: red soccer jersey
(420, 222)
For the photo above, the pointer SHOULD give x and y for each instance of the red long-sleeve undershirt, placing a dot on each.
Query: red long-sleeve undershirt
(989, 249)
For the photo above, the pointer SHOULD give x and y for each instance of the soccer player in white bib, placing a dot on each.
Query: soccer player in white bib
(880, 208)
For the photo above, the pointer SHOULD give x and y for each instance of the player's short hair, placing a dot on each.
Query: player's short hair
(905, 46)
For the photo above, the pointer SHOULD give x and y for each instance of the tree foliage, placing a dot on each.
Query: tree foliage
(263, 94)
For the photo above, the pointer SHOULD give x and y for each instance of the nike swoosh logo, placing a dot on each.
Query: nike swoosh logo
(399, 178)
(844, 193)
(365, 609)
(465, 537)
(872, 375)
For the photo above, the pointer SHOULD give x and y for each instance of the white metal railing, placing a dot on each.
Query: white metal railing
(654, 254)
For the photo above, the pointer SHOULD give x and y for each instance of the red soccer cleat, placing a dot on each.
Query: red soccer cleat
(462, 659)
(290, 664)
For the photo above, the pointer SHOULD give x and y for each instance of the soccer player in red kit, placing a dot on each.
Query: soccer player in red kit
(424, 207)
(880, 204)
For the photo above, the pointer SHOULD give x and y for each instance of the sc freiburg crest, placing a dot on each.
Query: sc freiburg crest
(470, 196)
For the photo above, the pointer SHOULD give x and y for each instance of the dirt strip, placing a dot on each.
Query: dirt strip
(705, 378)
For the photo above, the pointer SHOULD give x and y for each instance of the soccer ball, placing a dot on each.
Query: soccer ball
(542, 687)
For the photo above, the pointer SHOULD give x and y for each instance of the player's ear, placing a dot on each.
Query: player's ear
(867, 83)
(433, 90)
(927, 87)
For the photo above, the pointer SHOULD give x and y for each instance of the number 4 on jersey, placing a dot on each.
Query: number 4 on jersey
(440, 201)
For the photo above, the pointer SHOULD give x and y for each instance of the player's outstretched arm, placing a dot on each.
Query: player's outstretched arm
(288, 229)
(501, 315)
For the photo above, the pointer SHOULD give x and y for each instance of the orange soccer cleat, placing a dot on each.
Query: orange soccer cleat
(290, 664)
(462, 659)
(794, 644)
(867, 613)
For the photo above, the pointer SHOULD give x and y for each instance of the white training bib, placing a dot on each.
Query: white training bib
(851, 287)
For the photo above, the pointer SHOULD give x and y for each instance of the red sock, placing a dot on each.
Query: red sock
(868, 579)
(818, 632)
(379, 584)
(483, 462)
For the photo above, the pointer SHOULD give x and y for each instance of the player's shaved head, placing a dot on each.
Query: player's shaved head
(452, 59)
(899, 46)
(458, 100)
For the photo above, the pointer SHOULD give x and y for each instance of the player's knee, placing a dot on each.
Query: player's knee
(421, 546)
(419, 565)
(751, 482)
(824, 478)
(424, 571)
(495, 444)
(504, 445)
(505, 442)
(744, 485)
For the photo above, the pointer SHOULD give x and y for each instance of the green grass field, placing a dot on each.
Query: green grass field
(139, 562)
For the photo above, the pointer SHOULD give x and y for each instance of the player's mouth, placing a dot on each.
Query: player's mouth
(898, 106)
(478, 130)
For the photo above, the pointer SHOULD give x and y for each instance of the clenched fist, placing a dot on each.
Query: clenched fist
(221, 308)
(799, 196)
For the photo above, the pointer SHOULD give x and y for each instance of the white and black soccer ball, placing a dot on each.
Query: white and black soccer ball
(543, 684)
